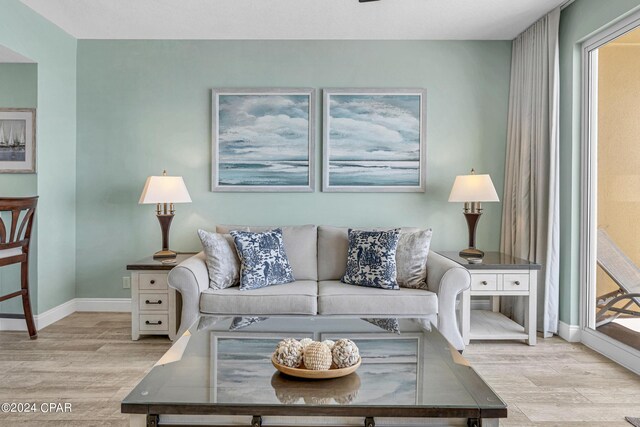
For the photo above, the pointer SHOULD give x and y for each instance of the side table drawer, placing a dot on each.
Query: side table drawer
(484, 282)
(153, 302)
(154, 322)
(152, 281)
(516, 282)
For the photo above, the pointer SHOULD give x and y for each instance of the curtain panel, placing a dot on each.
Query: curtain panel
(530, 213)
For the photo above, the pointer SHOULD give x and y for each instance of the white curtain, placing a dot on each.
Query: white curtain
(530, 213)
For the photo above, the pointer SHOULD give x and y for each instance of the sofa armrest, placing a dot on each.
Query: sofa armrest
(447, 279)
(190, 278)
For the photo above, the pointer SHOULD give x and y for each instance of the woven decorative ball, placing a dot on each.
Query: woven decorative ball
(305, 342)
(345, 353)
(288, 353)
(317, 357)
(346, 399)
(287, 398)
(313, 400)
(329, 344)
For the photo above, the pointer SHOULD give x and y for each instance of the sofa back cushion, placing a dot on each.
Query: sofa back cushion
(333, 249)
(300, 243)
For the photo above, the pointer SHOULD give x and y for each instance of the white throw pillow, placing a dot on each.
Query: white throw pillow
(411, 259)
(222, 259)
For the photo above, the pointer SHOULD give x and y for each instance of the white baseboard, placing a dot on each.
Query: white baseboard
(42, 320)
(570, 333)
(63, 310)
(122, 305)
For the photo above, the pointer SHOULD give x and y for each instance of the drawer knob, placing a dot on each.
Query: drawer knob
(517, 282)
(484, 282)
(153, 302)
(153, 282)
(159, 322)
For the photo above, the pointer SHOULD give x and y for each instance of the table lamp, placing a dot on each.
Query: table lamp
(472, 190)
(164, 191)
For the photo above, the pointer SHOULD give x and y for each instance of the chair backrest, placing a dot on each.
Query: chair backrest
(617, 265)
(15, 233)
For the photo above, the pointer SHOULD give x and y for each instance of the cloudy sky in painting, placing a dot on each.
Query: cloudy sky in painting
(375, 127)
(263, 127)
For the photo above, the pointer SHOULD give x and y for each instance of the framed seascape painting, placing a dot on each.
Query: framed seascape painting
(374, 140)
(17, 140)
(263, 139)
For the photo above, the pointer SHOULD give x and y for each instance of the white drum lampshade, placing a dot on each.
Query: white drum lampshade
(473, 188)
(165, 189)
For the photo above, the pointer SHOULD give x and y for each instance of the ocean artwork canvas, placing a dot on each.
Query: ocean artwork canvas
(17, 141)
(374, 140)
(263, 139)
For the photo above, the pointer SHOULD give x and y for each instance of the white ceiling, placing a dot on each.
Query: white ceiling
(8, 55)
(294, 19)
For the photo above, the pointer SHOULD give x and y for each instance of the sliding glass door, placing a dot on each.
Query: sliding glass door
(610, 237)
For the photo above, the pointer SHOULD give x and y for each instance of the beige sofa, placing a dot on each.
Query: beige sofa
(318, 256)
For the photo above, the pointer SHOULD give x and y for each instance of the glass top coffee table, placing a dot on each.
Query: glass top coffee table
(215, 376)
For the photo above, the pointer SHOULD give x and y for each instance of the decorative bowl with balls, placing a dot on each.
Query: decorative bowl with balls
(316, 360)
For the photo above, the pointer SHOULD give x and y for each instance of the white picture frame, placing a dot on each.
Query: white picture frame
(263, 139)
(375, 141)
(17, 140)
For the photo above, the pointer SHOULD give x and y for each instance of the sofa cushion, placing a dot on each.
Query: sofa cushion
(264, 259)
(300, 243)
(333, 249)
(298, 297)
(337, 298)
(372, 259)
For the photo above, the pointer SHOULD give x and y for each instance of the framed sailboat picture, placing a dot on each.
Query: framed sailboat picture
(17, 140)
(263, 139)
(374, 140)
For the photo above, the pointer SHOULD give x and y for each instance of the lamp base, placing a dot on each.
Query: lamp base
(165, 254)
(471, 253)
(165, 222)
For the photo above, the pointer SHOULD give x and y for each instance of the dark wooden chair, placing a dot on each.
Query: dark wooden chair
(14, 249)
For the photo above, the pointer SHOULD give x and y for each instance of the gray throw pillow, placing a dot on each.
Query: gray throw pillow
(371, 260)
(222, 259)
(411, 259)
(263, 257)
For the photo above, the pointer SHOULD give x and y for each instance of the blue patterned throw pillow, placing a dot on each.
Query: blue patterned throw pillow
(263, 259)
(372, 259)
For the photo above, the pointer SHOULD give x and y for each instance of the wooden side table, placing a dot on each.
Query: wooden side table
(154, 310)
(498, 275)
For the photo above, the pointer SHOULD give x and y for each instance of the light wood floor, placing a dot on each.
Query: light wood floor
(552, 384)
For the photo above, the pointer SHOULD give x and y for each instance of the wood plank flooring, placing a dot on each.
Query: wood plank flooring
(552, 384)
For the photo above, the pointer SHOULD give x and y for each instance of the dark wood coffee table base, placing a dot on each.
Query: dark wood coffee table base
(153, 420)
(256, 421)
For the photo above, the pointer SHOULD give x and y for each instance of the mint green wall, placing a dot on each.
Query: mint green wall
(577, 22)
(18, 89)
(54, 51)
(145, 105)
